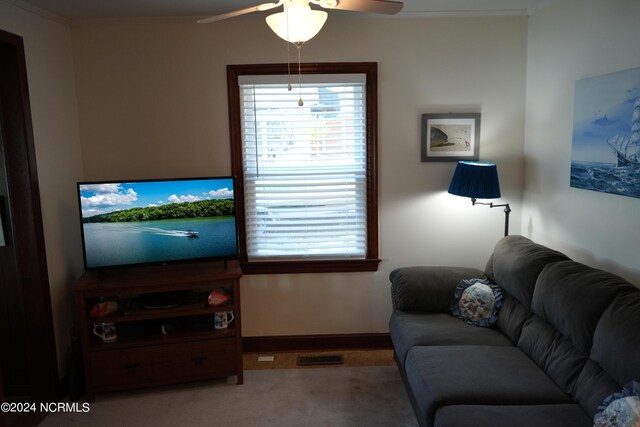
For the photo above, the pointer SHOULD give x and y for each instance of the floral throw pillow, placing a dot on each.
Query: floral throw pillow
(620, 409)
(477, 302)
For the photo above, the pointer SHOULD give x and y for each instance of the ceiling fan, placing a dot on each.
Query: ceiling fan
(297, 22)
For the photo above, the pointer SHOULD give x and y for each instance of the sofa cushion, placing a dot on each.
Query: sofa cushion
(572, 297)
(476, 375)
(517, 262)
(568, 301)
(614, 355)
(410, 329)
(511, 317)
(552, 352)
(561, 415)
(593, 386)
(616, 341)
(515, 265)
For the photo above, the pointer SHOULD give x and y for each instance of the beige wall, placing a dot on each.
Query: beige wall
(152, 103)
(568, 41)
(50, 74)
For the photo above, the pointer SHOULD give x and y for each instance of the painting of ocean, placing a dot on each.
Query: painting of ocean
(606, 134)
(607, 178)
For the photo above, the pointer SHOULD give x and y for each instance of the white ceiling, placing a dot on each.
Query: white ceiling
(101, 9)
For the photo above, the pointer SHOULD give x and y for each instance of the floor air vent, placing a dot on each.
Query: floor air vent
(321, 360)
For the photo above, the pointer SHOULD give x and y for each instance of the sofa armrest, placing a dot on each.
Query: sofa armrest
(427, 288)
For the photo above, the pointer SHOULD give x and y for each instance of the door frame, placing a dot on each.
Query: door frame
(24, 229)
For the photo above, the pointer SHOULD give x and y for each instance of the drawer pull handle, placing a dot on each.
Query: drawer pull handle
(198, 360)
(131, 367)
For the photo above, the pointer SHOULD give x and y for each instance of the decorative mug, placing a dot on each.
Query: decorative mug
(222, 319)
(106, 331)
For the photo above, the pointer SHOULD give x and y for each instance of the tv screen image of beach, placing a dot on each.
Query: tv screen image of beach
(142, 222)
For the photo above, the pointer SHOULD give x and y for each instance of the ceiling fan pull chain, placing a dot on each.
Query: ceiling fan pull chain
(288, 67)
(300, 101)
(286, 8)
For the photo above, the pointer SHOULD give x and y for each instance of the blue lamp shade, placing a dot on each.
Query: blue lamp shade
(477, 180)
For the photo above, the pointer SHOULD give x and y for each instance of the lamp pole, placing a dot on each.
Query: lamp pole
(507, 211)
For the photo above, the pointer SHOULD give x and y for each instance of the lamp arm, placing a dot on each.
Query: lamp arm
(507, 211)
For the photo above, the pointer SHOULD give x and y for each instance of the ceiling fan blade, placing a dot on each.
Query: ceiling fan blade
(260, 7)
(386, 7)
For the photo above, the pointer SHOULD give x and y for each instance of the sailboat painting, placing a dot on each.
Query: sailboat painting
(606, 134)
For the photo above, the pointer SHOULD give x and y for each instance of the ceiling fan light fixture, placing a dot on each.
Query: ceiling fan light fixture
(298, 23)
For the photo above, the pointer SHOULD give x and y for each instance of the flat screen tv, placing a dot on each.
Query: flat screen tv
(126, 223)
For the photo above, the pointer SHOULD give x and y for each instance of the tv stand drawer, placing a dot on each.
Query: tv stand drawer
(163, 364)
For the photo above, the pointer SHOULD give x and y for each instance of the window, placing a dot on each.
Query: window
(306, 187)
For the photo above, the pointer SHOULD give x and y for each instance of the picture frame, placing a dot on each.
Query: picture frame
(450, 137)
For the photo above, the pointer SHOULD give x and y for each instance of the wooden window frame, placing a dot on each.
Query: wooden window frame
(371, 260)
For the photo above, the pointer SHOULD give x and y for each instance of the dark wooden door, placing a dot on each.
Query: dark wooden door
(28, 363)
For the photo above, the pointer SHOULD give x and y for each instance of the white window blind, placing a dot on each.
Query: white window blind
(304, 167)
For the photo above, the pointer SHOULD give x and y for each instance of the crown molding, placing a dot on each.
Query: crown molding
(38, 11)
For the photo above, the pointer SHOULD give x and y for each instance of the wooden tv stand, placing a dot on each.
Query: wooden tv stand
(189, 349)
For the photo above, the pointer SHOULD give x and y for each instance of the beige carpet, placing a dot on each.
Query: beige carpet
(333, 397)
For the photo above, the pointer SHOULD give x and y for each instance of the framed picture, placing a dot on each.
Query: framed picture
(450, 137)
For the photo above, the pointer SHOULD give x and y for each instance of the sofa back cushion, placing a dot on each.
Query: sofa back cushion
(515, 265)
(517, 262)
(572, 297)
(615, 354)
(568, 301)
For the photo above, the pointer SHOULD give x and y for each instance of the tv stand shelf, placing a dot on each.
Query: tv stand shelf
(157, 346)
(141, 313)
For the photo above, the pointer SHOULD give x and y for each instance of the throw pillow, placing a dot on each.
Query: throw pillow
(620, 409)
(477, 302)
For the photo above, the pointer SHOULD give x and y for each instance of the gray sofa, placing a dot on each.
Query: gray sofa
(567, 336)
